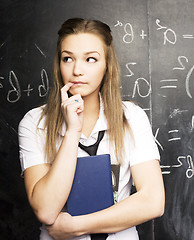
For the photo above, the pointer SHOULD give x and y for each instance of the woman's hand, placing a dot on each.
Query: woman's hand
(72, 109)
(63, 228)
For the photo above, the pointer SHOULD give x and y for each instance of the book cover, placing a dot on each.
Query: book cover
(92, 186)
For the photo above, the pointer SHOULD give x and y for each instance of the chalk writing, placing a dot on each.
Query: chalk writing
(169, 34)
(2, 44)
(129, 34)
(182, 60)
(188, 36)
(169, 81)
(40, 50)
(156, 140)
(137, 88)
(131, 73)
(28, 90)
(188, 77)
(176, 112)
(138, 82)
(173, 138)
(190, 170)
(179, 162)
(118, 24)
(44, 87)
(143, 35)
(166, 169)
(15, 93)
(1, 85)
(172, 83)
(192, 122)
(147, 109)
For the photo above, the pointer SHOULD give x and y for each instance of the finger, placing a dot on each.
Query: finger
(80, 108)
(73, 99)
(73, 105)
(76, 98)
(64, 91)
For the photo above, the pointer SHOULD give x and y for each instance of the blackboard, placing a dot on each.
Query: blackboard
(154, 42)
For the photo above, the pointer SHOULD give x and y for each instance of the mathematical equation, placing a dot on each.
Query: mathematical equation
(142, 87)
(181, 160)
(15, 92)
(140, 83)
(182, 61)
(169, 35)
(166, 169)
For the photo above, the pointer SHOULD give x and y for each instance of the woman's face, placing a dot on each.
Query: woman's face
(83, 63)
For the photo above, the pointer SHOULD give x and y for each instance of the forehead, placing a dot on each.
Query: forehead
(82, 42)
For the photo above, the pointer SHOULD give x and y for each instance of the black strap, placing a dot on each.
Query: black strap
(99, 236)
(92, 149)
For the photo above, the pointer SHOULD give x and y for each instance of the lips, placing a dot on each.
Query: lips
(77, 83)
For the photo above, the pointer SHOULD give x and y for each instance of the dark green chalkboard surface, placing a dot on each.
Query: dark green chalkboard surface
(154, 41)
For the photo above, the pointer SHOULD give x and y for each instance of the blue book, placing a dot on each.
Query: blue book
(92, 186)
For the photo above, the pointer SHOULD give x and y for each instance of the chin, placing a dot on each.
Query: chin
(74, 92)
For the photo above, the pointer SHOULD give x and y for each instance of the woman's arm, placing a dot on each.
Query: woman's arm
(147, 203)
(48, 186)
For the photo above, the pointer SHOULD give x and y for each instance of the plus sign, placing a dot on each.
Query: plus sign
(28, 90)
(143, 35)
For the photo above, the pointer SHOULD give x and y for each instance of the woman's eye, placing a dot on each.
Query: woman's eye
(91, 59)
(67, 59)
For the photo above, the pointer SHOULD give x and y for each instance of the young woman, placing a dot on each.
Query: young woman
(85, 99)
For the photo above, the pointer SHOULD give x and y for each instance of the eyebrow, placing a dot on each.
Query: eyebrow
(86, 53)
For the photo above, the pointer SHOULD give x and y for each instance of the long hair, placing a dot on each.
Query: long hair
(110, 88)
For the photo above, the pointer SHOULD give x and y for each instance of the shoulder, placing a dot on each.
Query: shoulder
(144, 147)
(132, 110)
(33, 118)
(135, 115)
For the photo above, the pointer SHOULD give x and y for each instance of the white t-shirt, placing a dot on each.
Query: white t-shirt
(140, 149)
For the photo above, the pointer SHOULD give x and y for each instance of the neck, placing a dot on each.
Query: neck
(91, 105)
(91, 114)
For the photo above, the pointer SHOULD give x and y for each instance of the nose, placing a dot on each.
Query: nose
(78, 68)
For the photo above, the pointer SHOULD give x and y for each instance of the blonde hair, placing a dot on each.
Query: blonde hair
(110, 88)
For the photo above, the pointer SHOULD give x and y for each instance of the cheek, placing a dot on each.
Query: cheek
(100, 74)
(98, 70)
(64, 75)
